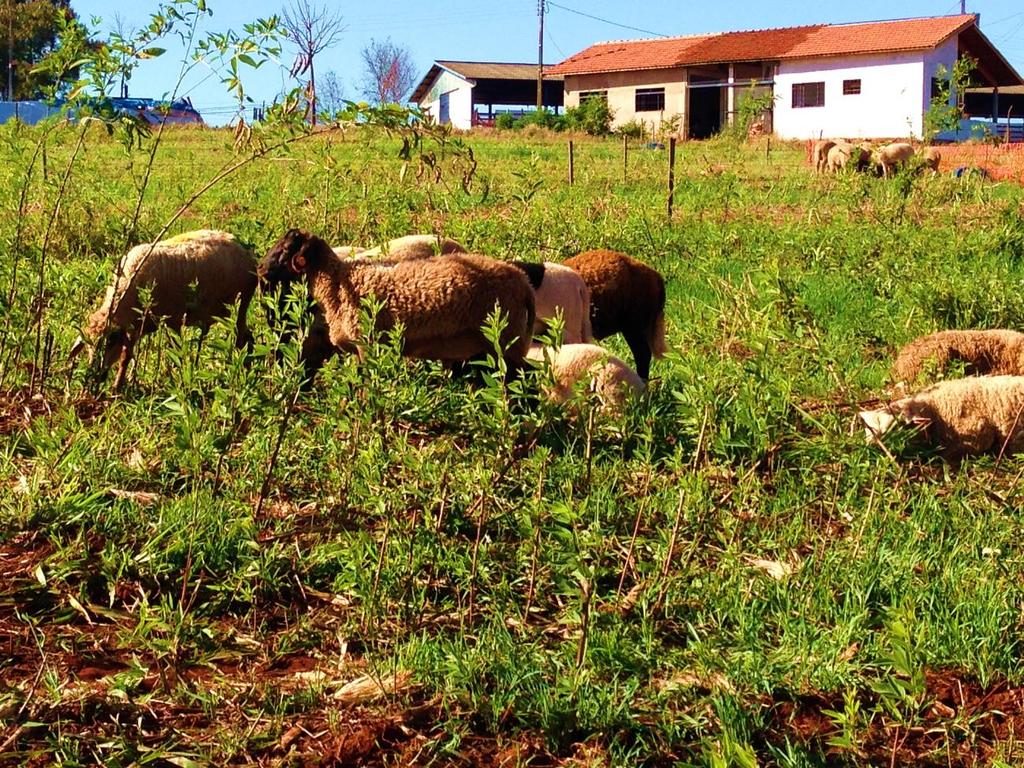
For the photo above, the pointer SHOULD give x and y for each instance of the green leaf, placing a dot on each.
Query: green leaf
(151, 53)
(247, 59)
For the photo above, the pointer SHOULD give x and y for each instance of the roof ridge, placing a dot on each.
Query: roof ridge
(782, 29)
(473, 61)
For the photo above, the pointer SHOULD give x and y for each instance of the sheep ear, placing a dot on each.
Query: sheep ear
(76, 348)
(876, 423)
(298, 262)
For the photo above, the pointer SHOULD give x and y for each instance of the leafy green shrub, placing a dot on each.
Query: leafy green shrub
(542, 118)
(505, 122)
(593, 116)
(634, 129)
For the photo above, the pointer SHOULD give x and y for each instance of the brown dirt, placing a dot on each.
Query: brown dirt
(962, 724)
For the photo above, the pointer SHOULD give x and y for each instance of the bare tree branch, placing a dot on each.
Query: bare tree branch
(311, 30)
(388, 72)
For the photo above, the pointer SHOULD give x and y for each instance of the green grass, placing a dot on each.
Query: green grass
(559, 590)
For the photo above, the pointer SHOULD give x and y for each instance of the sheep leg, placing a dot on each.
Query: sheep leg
(641, 350)
(122, 365)
(317, 349)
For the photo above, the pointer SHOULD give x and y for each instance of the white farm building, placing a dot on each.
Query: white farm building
(464, 94)
(868, 80)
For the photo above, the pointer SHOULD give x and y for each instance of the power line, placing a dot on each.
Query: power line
(607, 21)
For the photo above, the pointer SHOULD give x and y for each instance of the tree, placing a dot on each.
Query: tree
(388, 72)
(28, 31)
(311, 30)
(331, 96)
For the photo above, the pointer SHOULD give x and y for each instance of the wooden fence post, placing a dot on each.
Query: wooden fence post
(671, 173)
(572, 169)
(625, 157)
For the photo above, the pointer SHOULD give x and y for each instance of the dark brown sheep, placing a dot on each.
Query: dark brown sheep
(627, 297)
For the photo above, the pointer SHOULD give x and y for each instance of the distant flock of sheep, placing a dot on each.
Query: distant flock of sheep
(440, 294)
(836, 155)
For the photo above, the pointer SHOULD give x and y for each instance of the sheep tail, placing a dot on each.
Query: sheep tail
(657, 338)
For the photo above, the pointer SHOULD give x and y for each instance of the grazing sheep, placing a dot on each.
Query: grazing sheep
(414, 247)
(838, 156)
(627, 297)
(557, 287)
(612, 380)
(441, 302)
(931, 157)
(997, 351)
(348, 251)
(193, 278)
(821, 149)
(963, 416)
(893, 156)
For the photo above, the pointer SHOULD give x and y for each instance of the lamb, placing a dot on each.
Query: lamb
(442, 302)
(997, 351)
(892, 156)
(414, 247)
(931, 157)
(558, 287)
(962, 416)
(220, 268)
(821, 150)
(627, 297)
(612, 380)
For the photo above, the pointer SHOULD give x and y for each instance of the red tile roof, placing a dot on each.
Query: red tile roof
(766, 44)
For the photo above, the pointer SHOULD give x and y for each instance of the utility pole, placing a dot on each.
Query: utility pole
(540, 56)
(963, 7)
(10, 50)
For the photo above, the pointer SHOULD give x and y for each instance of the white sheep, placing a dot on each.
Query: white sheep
(612, 380)
(982, 414)
(441, 302)
(413, 247)
(557, 287)
(821, 148)
(893, 156)
(193, 278)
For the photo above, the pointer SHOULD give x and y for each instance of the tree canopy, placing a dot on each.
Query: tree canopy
(34, 26)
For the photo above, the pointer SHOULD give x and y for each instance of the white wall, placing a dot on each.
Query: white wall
(460, 100)
(894, 94)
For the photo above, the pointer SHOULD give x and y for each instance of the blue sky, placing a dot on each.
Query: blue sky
(506, 30)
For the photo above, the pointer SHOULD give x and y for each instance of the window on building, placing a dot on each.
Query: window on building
(808, 95)
(851, 87)
(650, 99)
(602, 95)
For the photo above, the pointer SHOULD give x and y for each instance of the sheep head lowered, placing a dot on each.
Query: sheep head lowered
(291, 256)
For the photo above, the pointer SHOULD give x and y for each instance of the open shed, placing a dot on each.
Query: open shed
(468, 93)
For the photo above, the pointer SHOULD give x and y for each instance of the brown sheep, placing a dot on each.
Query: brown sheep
(997, 351)
(442, 302)
(963, 416)
(627, 297)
